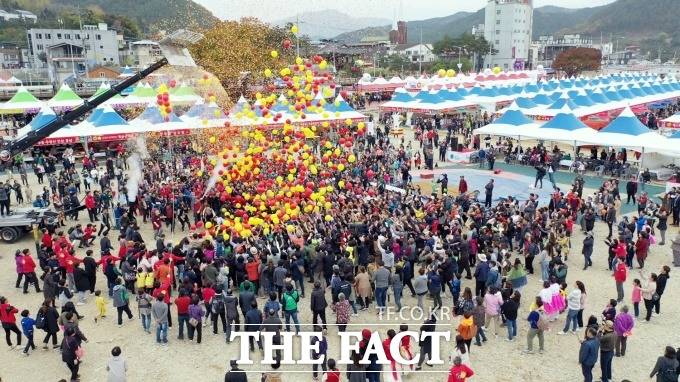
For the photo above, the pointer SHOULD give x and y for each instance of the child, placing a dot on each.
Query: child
(141, 278)
(333, 374)
(609, 311)
(636, 296)
(27, 324)
(459, 372)
(405, 348)
(101, 305)
(144, 301)
(117, 366)
(455, 289)
(272, 305)
(563, 295)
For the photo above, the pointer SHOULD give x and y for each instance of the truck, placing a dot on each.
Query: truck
(23, 220)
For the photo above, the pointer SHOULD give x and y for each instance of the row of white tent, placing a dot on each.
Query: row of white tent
(66, 99)
(625, 131)
(106, 124)
(583, 97)
(368, 83)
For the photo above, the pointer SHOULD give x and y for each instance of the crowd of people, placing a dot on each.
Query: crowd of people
(380, 243)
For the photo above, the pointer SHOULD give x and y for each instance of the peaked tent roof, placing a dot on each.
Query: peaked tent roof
(22, 101)
(100, 90)
(108, 117)
(45, 116)
(626, 123)
(65, 98)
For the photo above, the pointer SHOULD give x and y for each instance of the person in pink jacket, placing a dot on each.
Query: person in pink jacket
(492, 306)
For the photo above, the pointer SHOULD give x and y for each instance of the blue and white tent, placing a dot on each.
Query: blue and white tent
(44, 116)
(513, 123)
(564, 127)
(627, 131)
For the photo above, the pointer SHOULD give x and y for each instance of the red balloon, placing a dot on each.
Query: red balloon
(287, 44)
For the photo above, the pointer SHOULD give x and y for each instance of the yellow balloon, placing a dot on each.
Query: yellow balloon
(213, 139)
(341, 167)
(441, 73)
(323, 64)
(267, 73)
(294, 29)
(450, 73)
(208, 225)
(351, 158)
(328, 218)
(274, 54)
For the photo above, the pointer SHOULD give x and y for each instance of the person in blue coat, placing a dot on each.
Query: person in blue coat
(587, 355)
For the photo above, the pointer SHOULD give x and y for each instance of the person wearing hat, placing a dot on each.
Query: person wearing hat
(607, 343)
(481, 274)
(587, 355)
(235, 374)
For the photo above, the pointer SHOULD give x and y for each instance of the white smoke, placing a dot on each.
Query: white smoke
(213, 178)
(135, 166)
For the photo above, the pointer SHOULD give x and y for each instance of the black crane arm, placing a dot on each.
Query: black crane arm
(14, 147)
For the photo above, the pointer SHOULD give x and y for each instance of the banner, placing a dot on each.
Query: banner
(458, 156)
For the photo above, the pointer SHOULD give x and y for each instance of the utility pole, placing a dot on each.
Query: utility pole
(82, 39)
(297, 36)
(420, 56)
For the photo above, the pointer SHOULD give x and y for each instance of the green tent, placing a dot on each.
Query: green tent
(23, 101)
(65, 99)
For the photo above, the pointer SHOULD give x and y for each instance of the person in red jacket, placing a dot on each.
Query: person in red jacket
(462, 185)
(91, 205)
(28, 269)
(641, 249)
(253, 270)
(459, 372)
(46, 238)
(9, 321)
(89, 234)
(620, 274)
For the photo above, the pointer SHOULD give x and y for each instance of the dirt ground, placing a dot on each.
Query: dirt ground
(496, 360)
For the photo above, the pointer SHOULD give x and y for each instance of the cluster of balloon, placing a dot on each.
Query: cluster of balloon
(163, 99)
(268, 178)
(442, 73)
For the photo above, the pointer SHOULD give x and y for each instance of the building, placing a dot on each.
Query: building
(507, 27)
(26, 15)
(105, 73)
(141, 53)
(399, 34)
(18, 14)
(477, 30)
(97, 44)
(416, 53)
(10, 56)
(547, 48)
(8, 16)
(65, 61)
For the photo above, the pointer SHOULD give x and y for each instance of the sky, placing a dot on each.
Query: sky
(273, 10)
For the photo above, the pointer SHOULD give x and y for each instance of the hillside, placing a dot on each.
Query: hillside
(638, 21)
(328, 23)
(149, 15)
